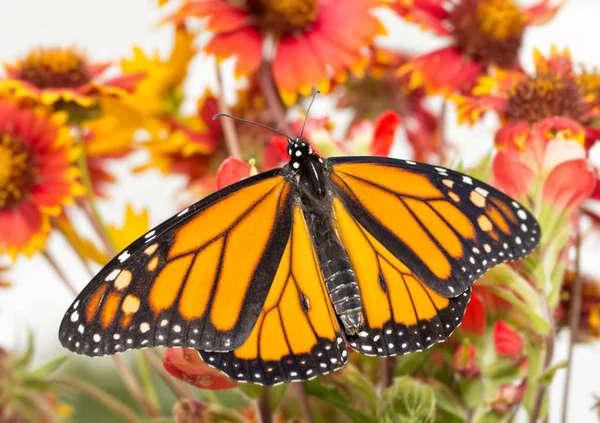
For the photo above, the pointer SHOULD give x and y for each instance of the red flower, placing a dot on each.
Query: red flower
(37, 176)
(232, 170)
(509, 396)
(555, 90)
(185, 364)
(385, 129)
(484, 34)
(552, 150)
(475, 316)
(311, 40)
(507, 341)
(50, 75)
(465, 361)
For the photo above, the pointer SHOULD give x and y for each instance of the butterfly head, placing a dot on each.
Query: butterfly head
(298, 150)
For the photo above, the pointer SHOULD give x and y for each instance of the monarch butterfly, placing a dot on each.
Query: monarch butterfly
(271, 278)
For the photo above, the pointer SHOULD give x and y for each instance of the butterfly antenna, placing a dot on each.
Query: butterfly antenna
(308, 110)
(218, 115)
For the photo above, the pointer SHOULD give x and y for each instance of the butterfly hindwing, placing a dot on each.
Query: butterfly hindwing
(297, 336)
(446, 227)
(199, 279)
(401, 314)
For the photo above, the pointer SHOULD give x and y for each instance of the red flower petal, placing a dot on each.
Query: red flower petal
(569, 184)
(444, 70)
(507, 341)
(465, 361)
(385, 128)
(186, 364)
(228, 44)
(475, 317)
(276, 152)
(510, 175)
(232, 170)
(540, 13)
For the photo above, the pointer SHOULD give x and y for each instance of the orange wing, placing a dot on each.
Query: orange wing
(417, 237)
(401, 314)
(446, 227)
(297, 336)
(198, 280)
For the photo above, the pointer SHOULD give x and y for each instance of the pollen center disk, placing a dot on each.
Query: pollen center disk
(16, 173)
(283, 16)
(535, 99)
(54, 68)
(489, 31)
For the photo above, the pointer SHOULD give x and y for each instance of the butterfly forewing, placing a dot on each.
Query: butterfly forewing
(446, 227)
(297, 336)
(192, 281)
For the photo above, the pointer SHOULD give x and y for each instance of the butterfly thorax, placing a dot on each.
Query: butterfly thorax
(311, 174)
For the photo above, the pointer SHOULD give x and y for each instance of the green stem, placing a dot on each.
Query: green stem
(102, 397)
(574, 317)
(231, 138)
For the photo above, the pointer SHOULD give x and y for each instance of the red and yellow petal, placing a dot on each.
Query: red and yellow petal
(23, 229)
(246, 44)
(442, 71)
(541, 13)
(569, 184)
(428, 14)
(186, 364)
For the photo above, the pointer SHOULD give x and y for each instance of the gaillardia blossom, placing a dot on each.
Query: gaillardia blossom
(484, 34)
(51, 75)
(306, 42)
(554, 90)
(36, 176)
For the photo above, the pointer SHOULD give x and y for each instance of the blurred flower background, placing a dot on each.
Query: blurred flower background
(106, 130)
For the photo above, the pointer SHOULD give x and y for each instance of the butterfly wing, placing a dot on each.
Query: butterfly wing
(297, 336)
(198, 279)
(417, 237)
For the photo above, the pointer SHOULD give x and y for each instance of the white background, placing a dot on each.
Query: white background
(107, 30)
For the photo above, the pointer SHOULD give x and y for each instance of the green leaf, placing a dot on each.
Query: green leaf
(503, 371)
(47, 369)
(537, 323)
(361, 387)
(407, 401)
(448, 405)
(407, 364)
(333, 397)
(21, 363)
(472, 391)
(547, 375)
(158, 420)
(491, 417)
(534, 356)
(276, 395)
(251, 390)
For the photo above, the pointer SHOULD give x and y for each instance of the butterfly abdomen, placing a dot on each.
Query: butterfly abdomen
(342, 287)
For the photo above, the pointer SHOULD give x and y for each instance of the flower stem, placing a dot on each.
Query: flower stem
(574, 316)
(264, 407)
(303, 401)
(231, 138)
(102, 397)
(388, 371)
(61, 275)
(267, 86)
(548, 354)
(134, 387)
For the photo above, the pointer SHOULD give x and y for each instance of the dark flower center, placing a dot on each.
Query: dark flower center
(283, 16)
(16, 171)
(489, 31)
(54, 68)
(537, 98)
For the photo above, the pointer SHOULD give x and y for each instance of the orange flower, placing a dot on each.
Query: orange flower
(59, 76)
(554, 90)
(484, 34)
(37, 176)
(306, 42)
